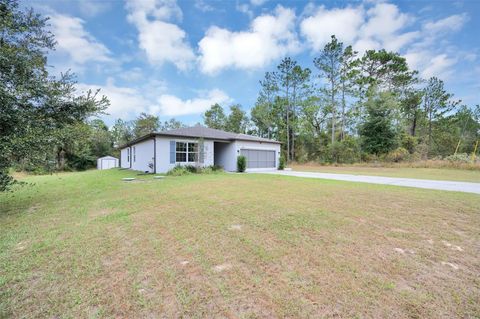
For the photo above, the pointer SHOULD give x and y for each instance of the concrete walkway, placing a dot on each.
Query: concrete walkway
(465, 187)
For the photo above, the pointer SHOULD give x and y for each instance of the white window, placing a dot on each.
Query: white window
(186, 152)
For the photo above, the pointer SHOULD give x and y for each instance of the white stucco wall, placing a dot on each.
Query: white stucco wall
(226, 156)
(142, 156)
(257, 146)
(124, 163)
(163, 152)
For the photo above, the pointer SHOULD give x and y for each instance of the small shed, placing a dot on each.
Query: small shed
(107, 162)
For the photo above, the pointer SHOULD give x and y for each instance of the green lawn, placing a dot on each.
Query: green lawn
(87, 245)
(447, 174)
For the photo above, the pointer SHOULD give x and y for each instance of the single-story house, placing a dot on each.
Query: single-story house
(159, 152)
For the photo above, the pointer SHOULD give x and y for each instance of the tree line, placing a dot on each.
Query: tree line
(353, 107)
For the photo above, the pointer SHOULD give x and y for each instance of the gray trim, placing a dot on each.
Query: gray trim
(201, 151)
(154, 155)
(173, 147)
(205, 133)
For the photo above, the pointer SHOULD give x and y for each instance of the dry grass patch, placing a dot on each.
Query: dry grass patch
(236, 246)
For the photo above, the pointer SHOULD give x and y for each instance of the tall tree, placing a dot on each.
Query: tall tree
(382, 69)
(145, 124)
(284, 82)
(101, 139)
(215, 117)
(237, 120)
(122, 132)
(301, 90)
(348, 75)
(33, 104)
(437, 102)
(411, 105)
(262, 113)
(330, 65)
(171, 125)
(377, 132)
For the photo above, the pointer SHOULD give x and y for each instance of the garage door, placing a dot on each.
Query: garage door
(259, 158)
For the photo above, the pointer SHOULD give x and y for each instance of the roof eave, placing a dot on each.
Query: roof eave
(150, 135)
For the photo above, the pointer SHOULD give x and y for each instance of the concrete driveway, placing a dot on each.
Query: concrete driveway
(408, 182)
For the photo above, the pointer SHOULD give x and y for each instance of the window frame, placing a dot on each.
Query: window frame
(187, 150)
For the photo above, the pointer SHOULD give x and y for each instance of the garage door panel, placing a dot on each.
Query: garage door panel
(259, 158)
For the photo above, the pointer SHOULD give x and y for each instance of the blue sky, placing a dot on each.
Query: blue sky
(176, 58)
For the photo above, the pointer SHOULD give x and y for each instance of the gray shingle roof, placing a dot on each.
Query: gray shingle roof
(204, 132)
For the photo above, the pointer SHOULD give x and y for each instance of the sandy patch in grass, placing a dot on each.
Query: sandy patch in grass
(235, 227)
(21, 245)
(399, 230)
(451, 246)
(403, 251)
(452, 265)
(222, 267)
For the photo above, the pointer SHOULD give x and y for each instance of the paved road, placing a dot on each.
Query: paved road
(409, 182)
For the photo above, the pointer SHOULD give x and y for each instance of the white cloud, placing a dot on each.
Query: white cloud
(343, 23)
(430, 55)
(124, 101)
(451, 23)
(171, 105)
(377, 27)
(161, 40)
(127, 102)
(439, 66)
(75, 42)
(431, 64)
(383, 20)
(269, 37)
(400, 41)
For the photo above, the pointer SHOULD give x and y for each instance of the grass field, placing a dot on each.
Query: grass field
(448, 174)
(239, 246)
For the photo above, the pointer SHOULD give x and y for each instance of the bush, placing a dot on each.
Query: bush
(346, 151)
(212, 169)
(80, 162)
(241, 163)
(408, 142)
(281, 163)
(180, 170)
(397, 155)
(192, 169)
(215, 168)
(458, 158)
